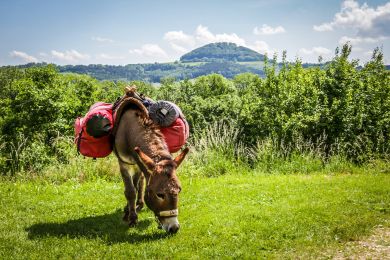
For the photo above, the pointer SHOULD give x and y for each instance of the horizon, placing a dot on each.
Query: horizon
(128, 32)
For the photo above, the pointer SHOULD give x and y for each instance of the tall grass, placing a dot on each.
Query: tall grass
(302, 156)
(214, 152)
(65, 165)
(218, 151)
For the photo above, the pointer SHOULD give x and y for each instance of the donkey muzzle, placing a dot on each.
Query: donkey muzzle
(168, 220)
(170, 225)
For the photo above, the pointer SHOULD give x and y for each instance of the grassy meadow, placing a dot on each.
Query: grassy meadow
(75, 211)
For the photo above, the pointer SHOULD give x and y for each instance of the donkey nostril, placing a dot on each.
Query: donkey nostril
(173, 229)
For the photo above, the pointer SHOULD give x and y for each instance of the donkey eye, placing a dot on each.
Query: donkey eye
(160, 196)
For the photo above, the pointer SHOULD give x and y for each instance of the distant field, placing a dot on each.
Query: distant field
(253, 216)
(253, 64)
(192, 63)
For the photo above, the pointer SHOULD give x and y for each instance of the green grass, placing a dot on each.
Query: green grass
(235, 215)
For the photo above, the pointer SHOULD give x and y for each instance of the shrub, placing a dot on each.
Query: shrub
(292, 116)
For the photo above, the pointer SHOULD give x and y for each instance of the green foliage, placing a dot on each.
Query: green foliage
(317, 113)
(157, 72)
(30, 109)
(331, 105)
(38, 105)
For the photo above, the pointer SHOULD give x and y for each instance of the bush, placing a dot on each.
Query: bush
(295, 116)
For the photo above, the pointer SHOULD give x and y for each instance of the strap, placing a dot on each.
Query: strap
(129, 92)
(79, 141)
(169, 213)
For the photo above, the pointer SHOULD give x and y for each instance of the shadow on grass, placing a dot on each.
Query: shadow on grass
(109, 228)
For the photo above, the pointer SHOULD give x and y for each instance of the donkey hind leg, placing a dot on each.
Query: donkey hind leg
(141, 191)
(128, 174)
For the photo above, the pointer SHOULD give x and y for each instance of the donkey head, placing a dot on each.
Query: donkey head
(163, 188)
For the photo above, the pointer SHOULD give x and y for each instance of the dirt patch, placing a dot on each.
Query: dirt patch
(376, 246)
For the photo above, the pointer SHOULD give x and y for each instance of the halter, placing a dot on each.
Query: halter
(169, 213)
(165, 214)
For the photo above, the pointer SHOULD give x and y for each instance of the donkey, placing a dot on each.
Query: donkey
(143, 156)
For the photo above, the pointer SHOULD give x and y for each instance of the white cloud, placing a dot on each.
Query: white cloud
(315, 51)
(357, 49)
(105, 56)
(150, 50)
(101, 39)
(368, 53)
(263, 48)
(368, 21)
(178, 48)
(24, 56)
(181, 42)
(44, 57)
(71, 56)
(268, 30)
(203, 36)
(323, 27)
(356, 40)
(179, 36)
(312, 54)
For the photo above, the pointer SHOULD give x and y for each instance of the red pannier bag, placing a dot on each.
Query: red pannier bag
(93, 131)
(176, 134)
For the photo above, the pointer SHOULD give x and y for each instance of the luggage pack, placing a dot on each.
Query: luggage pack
(173, 124)
(94, 133)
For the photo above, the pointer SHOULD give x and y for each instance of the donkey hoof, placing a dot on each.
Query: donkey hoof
(132, 223)
(125, 217)
(133, 220)
(126, 214)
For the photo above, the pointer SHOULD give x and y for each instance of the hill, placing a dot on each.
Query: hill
(222, 51)
(155, 72)
(223, 58)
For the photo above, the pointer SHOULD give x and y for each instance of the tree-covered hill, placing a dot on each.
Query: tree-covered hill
(222, 51)
(155, 72)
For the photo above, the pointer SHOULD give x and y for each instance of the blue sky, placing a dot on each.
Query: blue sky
(123, 32)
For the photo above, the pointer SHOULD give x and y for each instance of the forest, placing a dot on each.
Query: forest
(156, 72)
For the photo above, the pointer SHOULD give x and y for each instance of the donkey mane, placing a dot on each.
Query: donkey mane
(154, 139)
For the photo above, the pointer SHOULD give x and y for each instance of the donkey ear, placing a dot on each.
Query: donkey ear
(181, 156)
(144, 158)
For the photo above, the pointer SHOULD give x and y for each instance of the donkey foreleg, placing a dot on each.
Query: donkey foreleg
(141, 192)
(130, 215)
